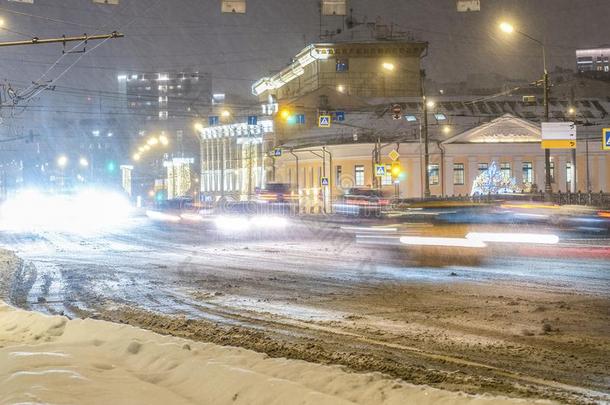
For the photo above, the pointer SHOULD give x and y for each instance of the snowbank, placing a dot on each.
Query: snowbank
(52, 360)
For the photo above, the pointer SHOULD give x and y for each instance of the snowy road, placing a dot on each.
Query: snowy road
(349, 295)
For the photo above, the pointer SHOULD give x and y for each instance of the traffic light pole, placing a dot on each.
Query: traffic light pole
(424, 130)
(548, 188)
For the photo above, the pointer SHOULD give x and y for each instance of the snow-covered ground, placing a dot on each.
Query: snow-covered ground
(53, 360)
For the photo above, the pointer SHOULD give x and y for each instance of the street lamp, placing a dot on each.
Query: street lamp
(62, 161)
(388, 66)
(83, 162)
(509, 29)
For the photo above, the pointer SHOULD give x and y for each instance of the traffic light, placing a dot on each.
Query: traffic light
(396, 170)
(110, 166)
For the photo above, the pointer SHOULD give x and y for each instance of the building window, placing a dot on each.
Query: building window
(342, 65)
(458, 174)
(386, 180)
(569, 174)
(505, 170)
(359, 175)
(338, 173)
(483, 167)
(163, 115)
(433, 174)
(528, 172)
(552, 168)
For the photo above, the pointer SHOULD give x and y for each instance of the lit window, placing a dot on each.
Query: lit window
(458, 174)
(505, 170)
(386, 180)
(528, 172)
(433, 174)
(359, 175)
(163, 115)
(342, 65)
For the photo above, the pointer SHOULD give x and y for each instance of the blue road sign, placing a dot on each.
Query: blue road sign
(606, 140)
(324, 121)
(277, 152)
(340, 115)
(379, 170)
(324, 181)
(213, 120)
(252, 119)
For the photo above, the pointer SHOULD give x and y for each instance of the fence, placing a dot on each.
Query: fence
(599, 199)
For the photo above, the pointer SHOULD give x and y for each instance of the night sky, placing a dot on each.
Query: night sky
(238, 49)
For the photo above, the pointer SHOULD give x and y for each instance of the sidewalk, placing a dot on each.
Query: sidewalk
(55, 360)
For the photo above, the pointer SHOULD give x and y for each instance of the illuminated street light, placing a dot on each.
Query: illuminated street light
(430, 104)
(225, 113)
(141, 149)
(198, 127)
(152, 141)
(571, 111)
(164, 141)
(62, 161)
(341, 88)
(136, 157)
(83, 162)
(507, 27)
(146, 148)
(388, 66)
(446, 129)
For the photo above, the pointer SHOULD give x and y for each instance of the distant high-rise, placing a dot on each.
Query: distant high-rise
(593, 60)
(165, 95)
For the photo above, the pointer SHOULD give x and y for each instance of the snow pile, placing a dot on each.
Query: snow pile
(52, 360)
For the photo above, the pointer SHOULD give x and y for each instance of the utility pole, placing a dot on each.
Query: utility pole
(548, 188)
(424, 130)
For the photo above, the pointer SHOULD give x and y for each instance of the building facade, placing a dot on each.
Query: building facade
(511, 143)
(593, 60)
(363, 69)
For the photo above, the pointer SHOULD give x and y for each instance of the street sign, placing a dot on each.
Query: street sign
(558, 135)
(379, 170)
(393, 155)
(324, 121)
(324, 181)
(213, 120)
(277, 152)
(252, 120)
(340, 115)
(606, 139)
(558, 144)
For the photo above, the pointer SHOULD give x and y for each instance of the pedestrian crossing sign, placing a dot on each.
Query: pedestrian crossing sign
(324, 121)
(606, 139)
(325, 181)
(379, 170)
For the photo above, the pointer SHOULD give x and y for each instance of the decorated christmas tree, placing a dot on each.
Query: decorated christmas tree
(493, 181)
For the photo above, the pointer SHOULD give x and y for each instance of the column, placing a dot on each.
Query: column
(472, 172)
(517, 168)
(448, 176)
(539, 172)
(413, 189)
